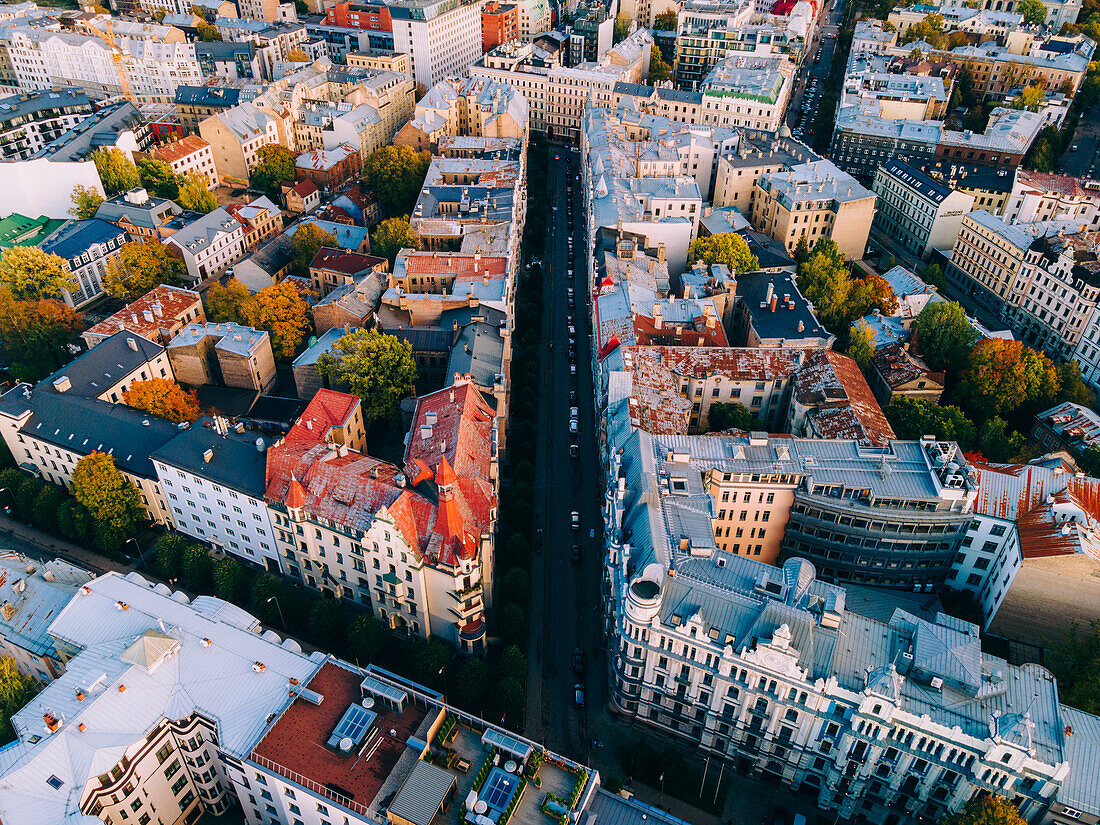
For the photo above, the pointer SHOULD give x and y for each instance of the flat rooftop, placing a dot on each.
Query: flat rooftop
(298, 740)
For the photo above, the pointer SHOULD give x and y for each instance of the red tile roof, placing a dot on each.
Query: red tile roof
(304, 188)
(347, 263)
(463, 266)
(328, 409)
(164, 305)
(297, 741)
(171, 152)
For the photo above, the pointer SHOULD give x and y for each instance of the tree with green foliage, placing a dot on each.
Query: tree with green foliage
(1032, 10)
(932, 274)
(141, 266)
(513, 664)
(16, 690)
(226, 302)
(469, 683)
(1074, 661)
(430, 658)
(116, 172)
(861, 347)
(391, 236)
(269, 592)
(86, 201)
(365, 638)
(1071, 387)
(25, 496)
(274, 167)
(395, 175)
(195, 194)
(839, 297)
(207, 33)
(230, 580)
(46, 505)
(997, 442)
(621, 30)
(945, 336)
(378, 368)
(1045, 150)
(724, 416)
(727, 248)
(114, 503)
(509, 697)
(1001, 376)
(801, 251)
(73, 520)
(31, 273)
(659, 70)
(196, 567)
(158, 178)
(326, 621)
(912, 418)
(985, 810)
(308, 238)
(167, 555)
(513, 625)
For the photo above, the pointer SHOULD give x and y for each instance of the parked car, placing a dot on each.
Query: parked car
(573, 412)
(578, 661)
(574, 451)
(573, 426)
(575, 519)
(572, 369)
(572, 394)
(575, 554)
(578, 694)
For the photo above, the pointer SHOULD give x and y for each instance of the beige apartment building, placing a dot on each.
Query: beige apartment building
(758, 154)
(814, 200)
(382, 61)
(987, 259)
(752, 511)
(235, 136)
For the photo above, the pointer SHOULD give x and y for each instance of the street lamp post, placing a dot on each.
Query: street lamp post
(141, 553)
(280, 609)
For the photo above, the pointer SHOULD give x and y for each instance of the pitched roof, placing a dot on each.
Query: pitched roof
(842, 404)
(153, 312)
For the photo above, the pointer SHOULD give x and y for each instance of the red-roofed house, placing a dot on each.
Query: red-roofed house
(832, 399)
(156, 316)
(414, 544)
(304, 196)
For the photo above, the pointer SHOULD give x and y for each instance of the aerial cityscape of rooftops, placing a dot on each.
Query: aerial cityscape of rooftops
(550, 412)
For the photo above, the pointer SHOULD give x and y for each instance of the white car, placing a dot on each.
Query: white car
(573, 412)
(573, 426)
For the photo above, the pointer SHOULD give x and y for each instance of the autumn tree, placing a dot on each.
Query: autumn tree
(1001, 376)
(116, 173)
(195, 194)
(304, 245)
(861, 347)
(141, 266)
(207, 33)
(912, 418)
(727, 248)
(621, 30)
(163, 397)
(665, 21)
(391, 236)
(31, 273)
(297, 56)
(985, 810)
(1030, 97)
(282, 310)
(86, 201)
(945, 336)
(226, 303)
(114, 503)
(158, 178)
(395, 175)
(275, 167)
(839, 297)
(659, 70)
(378, 368)
(37, 333)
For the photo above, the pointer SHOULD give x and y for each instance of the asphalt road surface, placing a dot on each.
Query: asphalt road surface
(568, 616)
(806, 96)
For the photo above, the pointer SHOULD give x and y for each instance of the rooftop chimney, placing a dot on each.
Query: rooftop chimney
(132, 344)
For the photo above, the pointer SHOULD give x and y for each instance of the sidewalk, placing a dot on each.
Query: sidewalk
(46, 546)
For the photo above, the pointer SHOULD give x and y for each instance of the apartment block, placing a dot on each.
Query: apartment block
(225, 354)
(916, 211)
(30, 120)
(85, 246)
(333, 268)
(814, 200)
(31, 594)
(499, 24)
(441, 37)
(209, 245)
(235, 136)
(190, 154)
(1043, 196)
(422, 563)
(466, 107)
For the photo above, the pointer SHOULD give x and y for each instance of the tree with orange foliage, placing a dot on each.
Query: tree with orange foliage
(38, 333)
(1002, 376)
(283, 311)
(163, 397)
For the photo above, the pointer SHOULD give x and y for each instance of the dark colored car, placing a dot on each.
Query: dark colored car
(574, 451)
(578, 661)
(575, 554)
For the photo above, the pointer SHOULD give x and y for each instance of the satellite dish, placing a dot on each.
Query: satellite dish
(480, 807)
(346, 744)
(368, 702)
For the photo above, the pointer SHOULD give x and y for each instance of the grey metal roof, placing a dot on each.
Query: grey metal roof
(75, 238)
(36, 601)
(236, 462)
(752, 288)
(104, 365)
(422, 795)
(30, 103)
(84, 425)
(1080, 789)
(612, 809)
